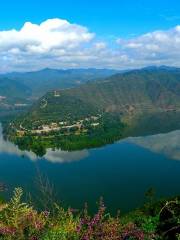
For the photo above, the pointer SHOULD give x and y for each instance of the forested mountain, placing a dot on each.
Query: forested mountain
(35, 84)
(129, 93)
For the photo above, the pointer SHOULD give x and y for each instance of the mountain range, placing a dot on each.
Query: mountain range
(36, 84)
(128, 93)
(32, 85)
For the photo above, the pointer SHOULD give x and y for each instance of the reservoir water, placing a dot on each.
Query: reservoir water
(121, 173)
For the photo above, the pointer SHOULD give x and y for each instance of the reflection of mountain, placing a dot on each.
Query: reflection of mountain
(167, 144)
(57, 156)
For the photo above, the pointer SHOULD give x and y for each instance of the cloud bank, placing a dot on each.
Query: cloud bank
(158, 47)
(58, 43)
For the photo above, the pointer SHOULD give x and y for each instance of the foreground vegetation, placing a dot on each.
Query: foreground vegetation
(156, 220)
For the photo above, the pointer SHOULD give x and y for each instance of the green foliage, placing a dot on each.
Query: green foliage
(149, 224)
(16, 209)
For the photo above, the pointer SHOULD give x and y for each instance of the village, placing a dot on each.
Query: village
(65, 127)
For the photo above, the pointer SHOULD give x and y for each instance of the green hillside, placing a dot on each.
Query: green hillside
(140, 89)
(128, 94)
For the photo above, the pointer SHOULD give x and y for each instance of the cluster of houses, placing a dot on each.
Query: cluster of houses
(55, 127)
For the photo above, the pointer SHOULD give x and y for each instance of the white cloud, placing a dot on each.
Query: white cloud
(33, 43)
(158, 47)
(49, 35)
(57, 43)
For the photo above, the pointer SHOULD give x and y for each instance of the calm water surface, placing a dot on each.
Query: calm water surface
(120, 172)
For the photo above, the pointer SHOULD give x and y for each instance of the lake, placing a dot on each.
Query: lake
(121, 173)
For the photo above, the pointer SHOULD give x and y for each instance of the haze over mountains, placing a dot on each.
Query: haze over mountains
(35, 84)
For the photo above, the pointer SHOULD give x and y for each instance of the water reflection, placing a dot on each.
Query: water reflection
(167, 144)
(57, 156)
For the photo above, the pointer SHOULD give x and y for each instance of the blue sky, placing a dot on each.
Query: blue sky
(109, 20)
(121, 18)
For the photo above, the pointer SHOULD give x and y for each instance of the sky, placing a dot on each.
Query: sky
(117, 34)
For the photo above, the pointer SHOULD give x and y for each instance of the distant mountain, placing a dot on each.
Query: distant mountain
(39, 82)
(162, 68)
(11, 90)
